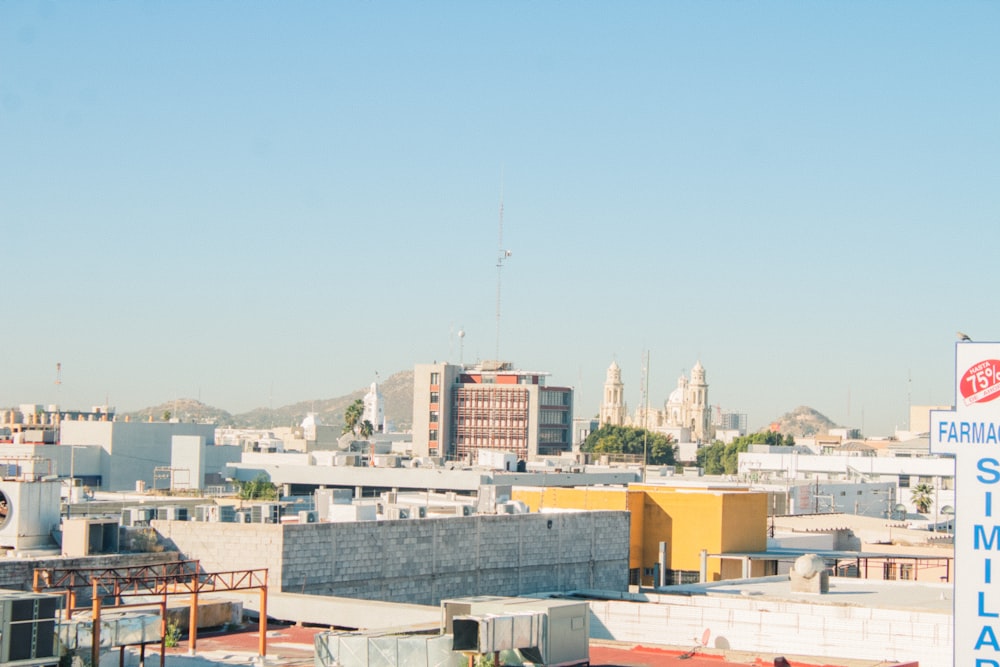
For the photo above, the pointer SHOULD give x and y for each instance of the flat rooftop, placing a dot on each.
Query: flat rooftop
(844, 591)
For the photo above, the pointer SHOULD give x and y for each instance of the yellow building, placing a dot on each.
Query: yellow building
(688, 519)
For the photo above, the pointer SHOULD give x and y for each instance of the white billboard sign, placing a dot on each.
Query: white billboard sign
(971, 431)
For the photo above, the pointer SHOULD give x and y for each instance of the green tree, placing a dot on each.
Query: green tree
(609, 439)
(365, 429)
(922, 497)
(722, 459)
(352, 416)
(260, 488)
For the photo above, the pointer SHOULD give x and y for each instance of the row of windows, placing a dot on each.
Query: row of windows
(516, 402)
(554, 398)
(553, 417)
(491, 441)
(906, 481)
(484, 422)
(553, 436)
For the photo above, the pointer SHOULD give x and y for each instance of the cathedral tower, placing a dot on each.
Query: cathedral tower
(613, 405)
(698, 410)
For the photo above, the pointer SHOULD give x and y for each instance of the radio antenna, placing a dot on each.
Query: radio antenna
(502, 255)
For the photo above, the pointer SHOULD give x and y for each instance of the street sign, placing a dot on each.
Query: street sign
(971, 431)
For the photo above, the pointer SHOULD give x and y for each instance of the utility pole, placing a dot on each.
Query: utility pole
(645, 415)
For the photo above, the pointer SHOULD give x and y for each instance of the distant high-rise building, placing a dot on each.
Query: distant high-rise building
(458, 411)
(730, 421)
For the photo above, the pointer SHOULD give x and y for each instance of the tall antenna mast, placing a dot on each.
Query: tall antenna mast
(502, 255)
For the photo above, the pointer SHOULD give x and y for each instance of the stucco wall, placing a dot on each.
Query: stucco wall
(132, 449)
(687, 519)
(783, 626)
(420, 561)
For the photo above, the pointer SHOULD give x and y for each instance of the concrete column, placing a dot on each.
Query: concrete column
(703, 568)
(663, 564)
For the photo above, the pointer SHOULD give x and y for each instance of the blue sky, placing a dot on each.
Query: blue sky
(260, 203)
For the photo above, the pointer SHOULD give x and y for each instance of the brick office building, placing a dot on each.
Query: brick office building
(460, 410)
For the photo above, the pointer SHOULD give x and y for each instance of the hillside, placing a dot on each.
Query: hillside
(804, 422)
(397, 391)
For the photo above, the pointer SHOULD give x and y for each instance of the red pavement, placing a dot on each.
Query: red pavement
(292, 645)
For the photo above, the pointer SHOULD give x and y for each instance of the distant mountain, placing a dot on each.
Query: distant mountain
(183, 409)
(804, 422)
(397, 392)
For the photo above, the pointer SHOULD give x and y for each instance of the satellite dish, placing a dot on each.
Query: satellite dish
(899, 507)
(947, 509)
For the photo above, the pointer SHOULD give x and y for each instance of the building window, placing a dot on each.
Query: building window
(435, 397)
(434, 416)
(904, 481)
(432, 435)
(435, 378)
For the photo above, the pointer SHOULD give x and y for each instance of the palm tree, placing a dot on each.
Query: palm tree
(352, 416)
(921, 497)
(366, 429)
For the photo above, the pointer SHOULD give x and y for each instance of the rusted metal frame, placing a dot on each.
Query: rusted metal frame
(82, 577)
(209, 582)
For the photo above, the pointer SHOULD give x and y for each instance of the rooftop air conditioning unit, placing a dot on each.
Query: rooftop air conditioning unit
(394, 512)
(310, 516)
(206, 512)
(172, 513)
(138, 516)
(27, 628)
(242, 517)
(227, 513)
(265, 513)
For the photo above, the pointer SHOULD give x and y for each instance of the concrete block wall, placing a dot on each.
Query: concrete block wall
(425, 561)
(224, 547)
(420, 561)
(18, 573)
(768, 625)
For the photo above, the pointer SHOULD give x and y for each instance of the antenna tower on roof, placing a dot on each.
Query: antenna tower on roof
(502, 255)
